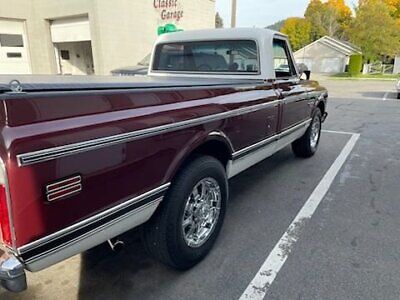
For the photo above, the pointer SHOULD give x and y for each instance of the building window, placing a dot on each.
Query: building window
(11, 40)
(14, 54)
(65, 54)
(233, 57)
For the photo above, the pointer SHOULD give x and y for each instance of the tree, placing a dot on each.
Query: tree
(277, 26)
(328, 18)
(315, 14)
(299, 32)
(342, 15)
(377, 38)
(395, 8)
(219, 22)
(342, 10)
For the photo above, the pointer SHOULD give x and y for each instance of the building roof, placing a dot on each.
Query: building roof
(343, 47)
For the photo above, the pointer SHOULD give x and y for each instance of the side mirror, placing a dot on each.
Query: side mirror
(303, 69)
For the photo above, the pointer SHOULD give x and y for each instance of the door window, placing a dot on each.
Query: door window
(64, 54)
(283, 63)
(11, 40)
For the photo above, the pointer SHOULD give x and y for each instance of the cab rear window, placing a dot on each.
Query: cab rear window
(240, 56)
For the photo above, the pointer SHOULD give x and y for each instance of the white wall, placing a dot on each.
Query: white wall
(127, 30)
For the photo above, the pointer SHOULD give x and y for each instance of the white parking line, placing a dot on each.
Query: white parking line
(259, 286)
(338, 132)
(362, 99)
(385, 96)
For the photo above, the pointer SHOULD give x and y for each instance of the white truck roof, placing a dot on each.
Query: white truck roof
(219, 34)
(263, 37)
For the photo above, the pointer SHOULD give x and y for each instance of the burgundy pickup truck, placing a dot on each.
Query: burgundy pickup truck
(84, 159)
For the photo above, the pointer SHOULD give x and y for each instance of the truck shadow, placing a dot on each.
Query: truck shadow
(109, 275)
(125, 275)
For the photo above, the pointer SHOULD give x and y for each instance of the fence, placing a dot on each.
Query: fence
(378, 68)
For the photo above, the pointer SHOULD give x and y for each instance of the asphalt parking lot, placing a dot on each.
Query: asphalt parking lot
(347, 249)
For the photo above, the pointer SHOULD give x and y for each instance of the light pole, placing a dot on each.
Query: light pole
(233, 13)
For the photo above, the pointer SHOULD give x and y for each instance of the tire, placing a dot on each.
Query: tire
(307, 145)
(164, 236)
(398, 96)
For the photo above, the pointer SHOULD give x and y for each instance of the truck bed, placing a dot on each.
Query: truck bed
(47, 83)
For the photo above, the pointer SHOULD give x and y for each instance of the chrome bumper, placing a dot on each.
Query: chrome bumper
(12, 273)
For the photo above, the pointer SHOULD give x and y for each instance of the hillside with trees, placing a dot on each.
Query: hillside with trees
(277, 26)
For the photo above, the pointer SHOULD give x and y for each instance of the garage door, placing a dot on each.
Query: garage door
(331, 65)
(70, 30)
(71, 39)
(13, 48)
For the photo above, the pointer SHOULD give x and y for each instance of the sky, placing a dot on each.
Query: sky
(261, 13)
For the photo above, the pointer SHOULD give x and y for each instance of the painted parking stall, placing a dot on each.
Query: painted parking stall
(259, 286)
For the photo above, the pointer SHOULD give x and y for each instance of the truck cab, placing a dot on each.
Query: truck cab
(239, 53)
(245, 53)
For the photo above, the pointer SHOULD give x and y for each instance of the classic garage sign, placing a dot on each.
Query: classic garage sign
(169, 9)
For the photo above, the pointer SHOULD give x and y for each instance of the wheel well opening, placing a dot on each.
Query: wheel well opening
(215, 149)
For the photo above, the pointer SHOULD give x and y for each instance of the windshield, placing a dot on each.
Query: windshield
(208, 56)
(145, 61)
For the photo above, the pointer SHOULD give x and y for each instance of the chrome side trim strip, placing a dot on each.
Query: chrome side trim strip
(92, 219)
(295, 98)
(70, 149)
(247, 157)
(305, 123)
(254, 147)
(269, 140)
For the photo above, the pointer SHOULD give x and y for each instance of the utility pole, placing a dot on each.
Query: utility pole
(233, 13)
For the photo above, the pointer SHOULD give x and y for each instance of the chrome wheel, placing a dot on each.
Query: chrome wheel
(201, 212)
(315, 132)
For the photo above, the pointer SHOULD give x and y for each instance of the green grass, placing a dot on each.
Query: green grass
(366, 76)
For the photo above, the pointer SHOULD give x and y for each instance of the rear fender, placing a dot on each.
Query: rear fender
(199, 140)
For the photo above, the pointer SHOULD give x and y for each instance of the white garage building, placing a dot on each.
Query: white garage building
(89, 36)
(326, 55)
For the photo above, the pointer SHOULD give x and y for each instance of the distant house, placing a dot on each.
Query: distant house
(326, 55)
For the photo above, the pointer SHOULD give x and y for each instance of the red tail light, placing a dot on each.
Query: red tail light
(4, 219)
